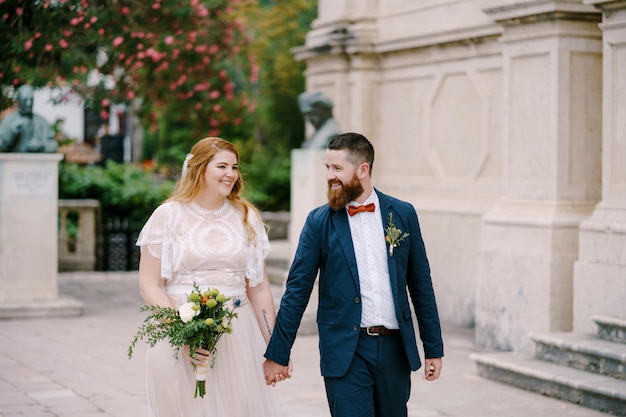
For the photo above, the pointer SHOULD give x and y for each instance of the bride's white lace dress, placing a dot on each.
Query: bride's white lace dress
(211, 249)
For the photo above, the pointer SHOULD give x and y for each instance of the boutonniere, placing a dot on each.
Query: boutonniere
(393, 235)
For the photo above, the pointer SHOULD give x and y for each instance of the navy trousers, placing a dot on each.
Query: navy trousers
(378, 381)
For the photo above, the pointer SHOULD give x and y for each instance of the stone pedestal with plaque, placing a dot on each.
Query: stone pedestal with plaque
(29, 237)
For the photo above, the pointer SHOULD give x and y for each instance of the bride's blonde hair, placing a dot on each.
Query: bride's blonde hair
(192, 180)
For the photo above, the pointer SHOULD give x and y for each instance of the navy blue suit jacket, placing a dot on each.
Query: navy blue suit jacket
(326, 246)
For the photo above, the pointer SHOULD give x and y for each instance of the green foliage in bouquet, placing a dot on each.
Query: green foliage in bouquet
(199, 324)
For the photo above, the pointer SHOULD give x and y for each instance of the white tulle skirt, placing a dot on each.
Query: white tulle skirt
(235, 386)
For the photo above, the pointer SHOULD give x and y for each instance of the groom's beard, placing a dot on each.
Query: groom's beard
(338, 199)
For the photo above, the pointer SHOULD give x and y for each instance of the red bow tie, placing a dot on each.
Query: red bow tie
(352, 210)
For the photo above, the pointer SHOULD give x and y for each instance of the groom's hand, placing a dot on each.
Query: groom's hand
(275, 372)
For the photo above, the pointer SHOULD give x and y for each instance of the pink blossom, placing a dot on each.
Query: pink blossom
(201, 49)
(214, 94)
(213, 49)
(214, 132)
(216, 108)
(162, 66)
(198, 106)
(130, 95)
(17, 69)
(87, 25)
(63, 43)
(201, 87)
(67, 33)
(1, 74)
(118, 41)
(169, 40)
(105, 102)
(18, 11)
(75, 21)
(125, 10)
(141, 55)
(100, 31)
(28, 44)
(156, 6)
(47, 48)
(37, 35)
(223, 74)
(93, 19)
(206, 60)
(104, 114)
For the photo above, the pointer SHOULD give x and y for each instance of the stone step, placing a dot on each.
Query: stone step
(586, 352)
(598, 392)
(611, 328)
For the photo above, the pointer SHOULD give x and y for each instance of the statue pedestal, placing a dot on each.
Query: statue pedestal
(29, 237)
(308, 191)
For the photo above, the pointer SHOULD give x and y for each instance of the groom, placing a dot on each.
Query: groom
(368, 249)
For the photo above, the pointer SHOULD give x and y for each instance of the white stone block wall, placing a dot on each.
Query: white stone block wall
(487, 116)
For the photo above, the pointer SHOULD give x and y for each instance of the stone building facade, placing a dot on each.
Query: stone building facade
(504, 124)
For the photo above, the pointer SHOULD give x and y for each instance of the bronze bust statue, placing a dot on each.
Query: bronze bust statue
(318, 109)
(23, 131)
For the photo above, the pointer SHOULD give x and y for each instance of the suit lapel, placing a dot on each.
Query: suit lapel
(385, 209)
(342, 227)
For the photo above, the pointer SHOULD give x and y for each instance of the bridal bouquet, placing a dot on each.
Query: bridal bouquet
(199, 323)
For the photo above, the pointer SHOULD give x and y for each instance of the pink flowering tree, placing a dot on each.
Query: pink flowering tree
(186, 60)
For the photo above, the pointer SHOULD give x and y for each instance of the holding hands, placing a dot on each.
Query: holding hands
(275, 372)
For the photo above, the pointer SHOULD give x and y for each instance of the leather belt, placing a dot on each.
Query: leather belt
(379, 330)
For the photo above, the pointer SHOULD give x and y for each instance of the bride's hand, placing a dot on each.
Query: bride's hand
(200, 358)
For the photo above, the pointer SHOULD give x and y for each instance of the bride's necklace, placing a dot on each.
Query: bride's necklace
(203, 212)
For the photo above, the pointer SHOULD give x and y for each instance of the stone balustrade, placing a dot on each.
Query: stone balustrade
(78, 220)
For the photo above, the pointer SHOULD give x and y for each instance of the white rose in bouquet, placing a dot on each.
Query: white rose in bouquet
(188, 311)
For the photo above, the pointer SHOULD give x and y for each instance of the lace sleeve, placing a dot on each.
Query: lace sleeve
(155, 236)
(256, 250)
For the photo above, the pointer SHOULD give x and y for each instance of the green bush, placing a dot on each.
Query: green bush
(124, 190)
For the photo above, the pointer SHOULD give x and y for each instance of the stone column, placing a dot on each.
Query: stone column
(29, 237)
(600, 272)
(552, 145)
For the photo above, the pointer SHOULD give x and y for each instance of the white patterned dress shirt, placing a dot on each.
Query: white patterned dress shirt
(368, 239)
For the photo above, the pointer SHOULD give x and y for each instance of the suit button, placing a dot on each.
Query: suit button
(355, 328)
(357, 300)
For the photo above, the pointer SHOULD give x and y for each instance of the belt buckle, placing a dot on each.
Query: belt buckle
(370, 333)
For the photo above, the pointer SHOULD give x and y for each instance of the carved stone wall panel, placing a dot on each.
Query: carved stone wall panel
(400, 146)
(491, 79)
(456, 116)
(584, 176)
(618, 98)
(531, 128)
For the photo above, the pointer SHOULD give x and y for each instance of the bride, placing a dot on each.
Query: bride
(207, 234)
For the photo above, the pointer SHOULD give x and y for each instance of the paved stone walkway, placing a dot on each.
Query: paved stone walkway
(77, 367)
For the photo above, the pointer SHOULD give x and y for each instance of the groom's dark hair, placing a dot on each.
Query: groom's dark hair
(359, 148)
